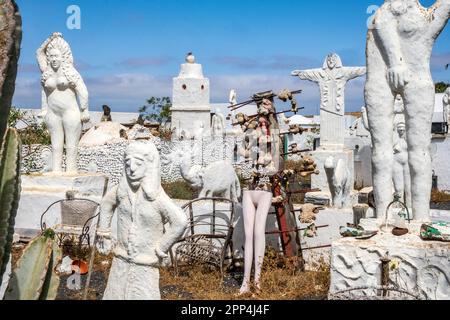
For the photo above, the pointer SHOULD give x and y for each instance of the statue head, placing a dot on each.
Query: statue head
(106, 110)
(55, 59)
(401, 129)
(142, 167)
(332, 61)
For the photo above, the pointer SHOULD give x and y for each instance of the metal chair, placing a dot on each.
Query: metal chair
(77, 216)
(208, 237)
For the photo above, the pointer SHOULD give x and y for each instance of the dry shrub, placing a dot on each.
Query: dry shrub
(179, 190)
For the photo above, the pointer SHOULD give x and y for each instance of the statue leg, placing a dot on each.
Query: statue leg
(249, 212)
(264, 204)
(380, 112)
(55, 127)
(419, 108)
(72, 132)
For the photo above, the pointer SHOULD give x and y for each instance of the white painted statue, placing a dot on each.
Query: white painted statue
(218, 125)
(217, 179)
(148, 224)
(64, 100)
(332, 79)
(338, 177)
(446, 104)
(401, 176)
(399, 46)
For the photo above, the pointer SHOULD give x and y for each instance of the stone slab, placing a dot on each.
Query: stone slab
(421, 268)
(39, 191)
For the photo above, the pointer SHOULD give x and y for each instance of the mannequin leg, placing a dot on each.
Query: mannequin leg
(264, 201)
(249, 213)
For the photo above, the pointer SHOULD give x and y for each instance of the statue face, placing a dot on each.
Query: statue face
(331, 61)
(55, 59)
(135, 167)
(401, 129)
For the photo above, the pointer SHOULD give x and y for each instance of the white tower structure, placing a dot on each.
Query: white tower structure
(191, 110)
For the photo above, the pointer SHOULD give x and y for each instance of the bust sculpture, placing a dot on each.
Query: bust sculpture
(148, 224)
(64, 100)
(399, 46)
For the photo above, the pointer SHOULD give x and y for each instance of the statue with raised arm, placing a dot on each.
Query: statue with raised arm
(64, 100)
(332, 79)
(148, 224)
(399, 46)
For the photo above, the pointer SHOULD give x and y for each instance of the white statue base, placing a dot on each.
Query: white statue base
(39, 191)
(419, 267)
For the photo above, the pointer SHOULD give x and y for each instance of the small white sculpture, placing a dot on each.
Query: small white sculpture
(399, 46)
(338, 177)
(218, 125)
(401, 176)
(64, 95)
(233, 97)
(446, 104)
(217, 179)
(148, 224)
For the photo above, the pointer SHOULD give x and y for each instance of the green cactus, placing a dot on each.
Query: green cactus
(10, 39)
(9, 193)
(34, 278)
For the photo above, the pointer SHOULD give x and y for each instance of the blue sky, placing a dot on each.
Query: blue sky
(128, 51)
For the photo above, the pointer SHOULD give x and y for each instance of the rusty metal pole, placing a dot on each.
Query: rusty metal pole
(385, 273)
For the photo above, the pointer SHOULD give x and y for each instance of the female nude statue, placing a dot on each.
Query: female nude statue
(64, 95)
(399, 46)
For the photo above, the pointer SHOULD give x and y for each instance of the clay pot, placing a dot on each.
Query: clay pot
(80, 265)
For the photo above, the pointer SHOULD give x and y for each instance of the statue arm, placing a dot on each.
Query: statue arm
(385, 29)
(83, 94)
(107, 207)
(41, 56)
(44, 103)
(441, 9)
(355, 72)
(177, 223)
(310, 75)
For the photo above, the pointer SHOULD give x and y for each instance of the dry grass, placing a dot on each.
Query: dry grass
(280, 281)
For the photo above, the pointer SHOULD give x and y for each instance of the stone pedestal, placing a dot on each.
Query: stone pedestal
(39, 191)
(419, 267)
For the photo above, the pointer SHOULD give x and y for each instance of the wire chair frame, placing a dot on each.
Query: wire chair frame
(200, 246)
(85, 228)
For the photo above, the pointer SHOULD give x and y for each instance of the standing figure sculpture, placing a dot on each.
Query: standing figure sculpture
(332, 79)
(148, 224)
(218, 125)
(401, 175)
(399, 45)
(64, 96)
(446, 104)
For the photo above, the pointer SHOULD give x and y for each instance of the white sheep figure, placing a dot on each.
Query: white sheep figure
(217, 179)
(338, 177)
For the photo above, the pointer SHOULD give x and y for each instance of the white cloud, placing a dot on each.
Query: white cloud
(129, 91)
